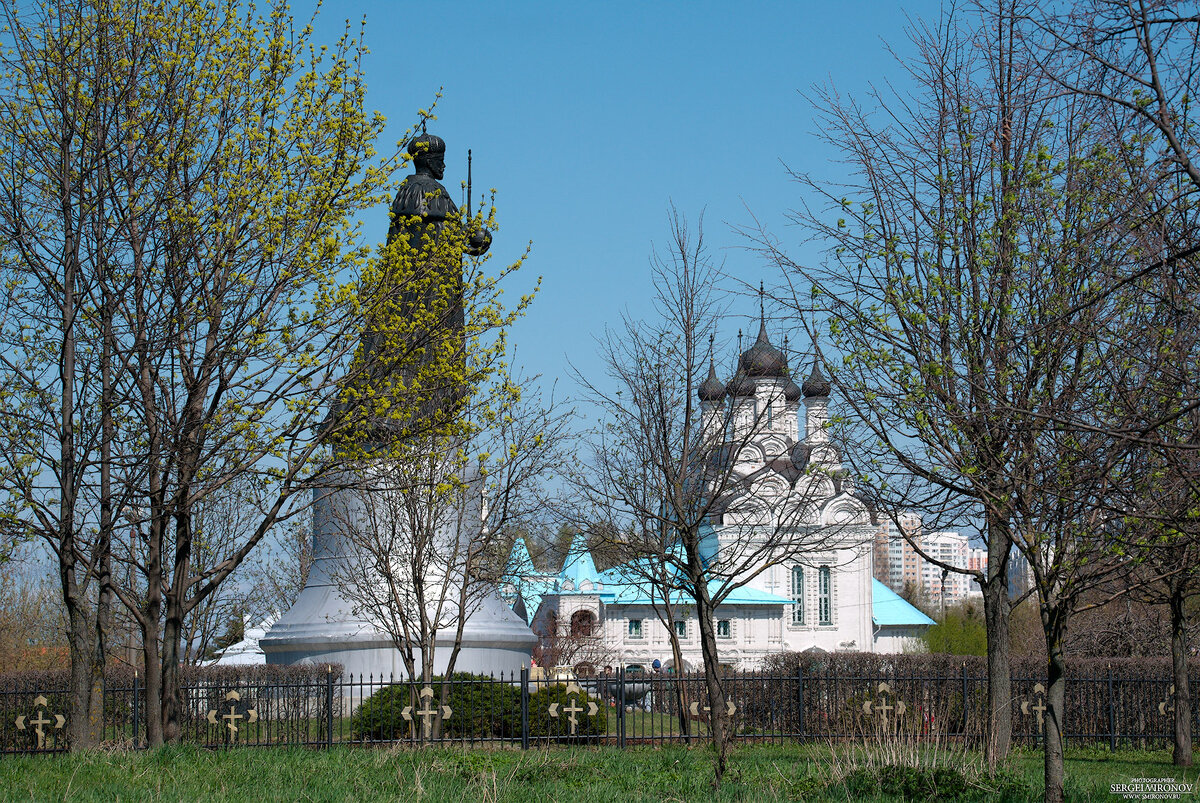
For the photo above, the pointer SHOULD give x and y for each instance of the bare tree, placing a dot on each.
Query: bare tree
(971, 259)
(1167, 574)
(705, 487)
(1154, 400)
(32, 621)
(428, 532)
(265, 585)
(577, 642)
(1066, 527)
(282, 566)
(1139, 57)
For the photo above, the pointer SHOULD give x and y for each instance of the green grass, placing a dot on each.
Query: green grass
(577, 774)
(644, 724)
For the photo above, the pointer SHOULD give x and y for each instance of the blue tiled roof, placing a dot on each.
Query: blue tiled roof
(613, 588)
(620, 586)
(890, 609)
(579, 567)
(519, 559)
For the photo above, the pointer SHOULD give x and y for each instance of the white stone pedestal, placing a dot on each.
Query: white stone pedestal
(321, 626)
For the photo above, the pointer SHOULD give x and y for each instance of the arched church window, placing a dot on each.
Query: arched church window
(797, 595)
(825, 595)
(583, 624)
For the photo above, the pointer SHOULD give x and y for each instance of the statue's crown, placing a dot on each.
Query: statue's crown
(426, 145)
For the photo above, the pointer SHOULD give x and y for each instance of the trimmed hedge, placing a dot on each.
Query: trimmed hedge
(120, 677)
(942, 692)
(939, 664)
(542, 725)
(481, 708)
(290, 696)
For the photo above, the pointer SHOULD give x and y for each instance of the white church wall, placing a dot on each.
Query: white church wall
(898, 640)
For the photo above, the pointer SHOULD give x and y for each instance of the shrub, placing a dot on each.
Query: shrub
(822, 691)
(481, 708)
(909, 783)
(542, 725)
(290, 695)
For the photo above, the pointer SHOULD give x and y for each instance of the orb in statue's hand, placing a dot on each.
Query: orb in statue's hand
(479, 242)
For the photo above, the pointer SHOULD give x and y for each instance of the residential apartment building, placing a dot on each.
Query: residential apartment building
(899, 565)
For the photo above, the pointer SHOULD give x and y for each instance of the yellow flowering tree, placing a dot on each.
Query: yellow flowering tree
(451, 450)
(181, 183)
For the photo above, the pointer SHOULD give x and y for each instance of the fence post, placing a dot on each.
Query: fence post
(965, 692)
(524, 708)
(800, 700)
(329, 706)
(621, 706)
(1112, 713)
(136, 713)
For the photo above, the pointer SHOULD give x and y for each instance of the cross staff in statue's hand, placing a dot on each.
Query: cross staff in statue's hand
(479, 239)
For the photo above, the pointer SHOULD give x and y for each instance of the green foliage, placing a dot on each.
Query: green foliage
(959, 631)
(541, 724)
(432, 363)
(379, 716)
(179, 278)
(483, 708)
(479, 709)
(757, 772)
(908, 783)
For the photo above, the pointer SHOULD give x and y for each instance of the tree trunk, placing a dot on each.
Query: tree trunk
(102, 623)
(176, 610)
(439, 724)
(153, 668)
(1179, 672)
(1056, 683)
(718, 721)
(685, 726)
(172, 687)
(79, 703)
(103, 556)
(80, 632)
(996, 608)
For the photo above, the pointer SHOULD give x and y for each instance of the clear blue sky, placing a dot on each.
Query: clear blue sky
(590, 118)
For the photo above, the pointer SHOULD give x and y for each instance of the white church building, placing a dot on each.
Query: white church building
(790, 489)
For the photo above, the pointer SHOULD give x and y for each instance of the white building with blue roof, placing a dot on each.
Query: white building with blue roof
(898, 624)
(620, 615)
(789, 488)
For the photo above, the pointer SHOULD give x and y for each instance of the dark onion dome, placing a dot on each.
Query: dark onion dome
(711, 389)
(800, 454)
(740, 385)
(791, 391)
(763, 359)
(816, 386)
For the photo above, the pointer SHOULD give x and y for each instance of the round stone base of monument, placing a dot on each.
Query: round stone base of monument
(320, 629)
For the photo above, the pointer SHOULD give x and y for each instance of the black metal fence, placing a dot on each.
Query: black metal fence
(619, 710)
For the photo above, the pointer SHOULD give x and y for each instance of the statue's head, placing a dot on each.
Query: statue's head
(428, 152)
